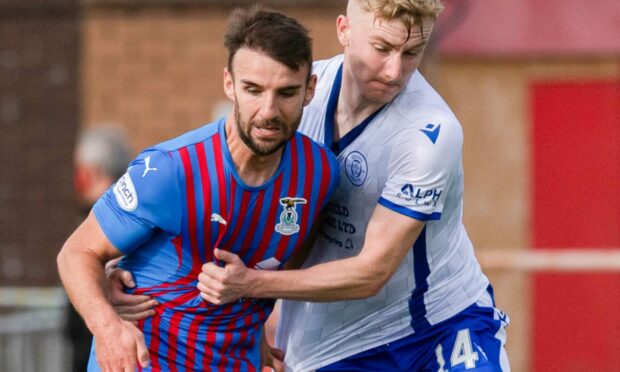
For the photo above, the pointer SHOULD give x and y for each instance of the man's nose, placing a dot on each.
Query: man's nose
(269, 107)
(392, 70)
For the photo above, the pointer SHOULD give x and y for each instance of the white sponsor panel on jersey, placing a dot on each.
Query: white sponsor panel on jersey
(125, 193)
(268, 264)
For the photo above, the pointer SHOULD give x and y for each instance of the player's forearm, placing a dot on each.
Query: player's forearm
(82, 274)
(351, 278)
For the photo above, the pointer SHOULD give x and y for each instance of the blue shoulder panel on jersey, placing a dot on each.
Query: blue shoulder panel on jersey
(408, 212)
(191, 137)
(142, 200)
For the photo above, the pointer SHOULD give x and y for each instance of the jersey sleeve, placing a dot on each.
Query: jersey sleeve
(144, 200)
(422, 165)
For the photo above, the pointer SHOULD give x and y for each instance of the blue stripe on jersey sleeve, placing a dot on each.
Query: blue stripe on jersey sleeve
(408, 212)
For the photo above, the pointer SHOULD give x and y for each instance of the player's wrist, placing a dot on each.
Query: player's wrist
(254, 283)
(104, 322)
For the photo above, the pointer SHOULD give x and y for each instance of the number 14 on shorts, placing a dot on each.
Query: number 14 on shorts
(462, 352)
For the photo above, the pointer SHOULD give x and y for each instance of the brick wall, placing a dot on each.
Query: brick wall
(39, 114)
(157, 71)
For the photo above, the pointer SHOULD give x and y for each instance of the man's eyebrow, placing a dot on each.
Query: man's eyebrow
(288, 87)
(249, 82)
(419, 45)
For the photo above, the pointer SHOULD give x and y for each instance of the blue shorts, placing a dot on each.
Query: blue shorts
(472, 340)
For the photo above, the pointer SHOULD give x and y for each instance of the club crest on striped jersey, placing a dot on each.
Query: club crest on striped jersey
(288, 218)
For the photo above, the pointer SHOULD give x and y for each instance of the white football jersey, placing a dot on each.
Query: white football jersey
(406, 157)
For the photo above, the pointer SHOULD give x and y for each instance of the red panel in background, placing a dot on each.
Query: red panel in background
(576, 196)
(522, 28)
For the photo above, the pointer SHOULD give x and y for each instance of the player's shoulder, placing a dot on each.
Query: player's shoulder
(189, 138)
(422, 112)
(326, 70)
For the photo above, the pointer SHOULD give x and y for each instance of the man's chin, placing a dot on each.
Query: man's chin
(266, 150)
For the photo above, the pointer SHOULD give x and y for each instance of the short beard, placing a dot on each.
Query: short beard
(251, 144)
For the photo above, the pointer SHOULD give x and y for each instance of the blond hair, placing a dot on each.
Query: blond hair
(409, 12)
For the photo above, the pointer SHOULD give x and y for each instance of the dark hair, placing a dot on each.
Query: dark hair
(273, 33)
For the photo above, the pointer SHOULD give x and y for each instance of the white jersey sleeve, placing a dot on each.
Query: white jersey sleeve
(422, 164)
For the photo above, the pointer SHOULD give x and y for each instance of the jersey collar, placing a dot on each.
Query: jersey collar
(330, 114)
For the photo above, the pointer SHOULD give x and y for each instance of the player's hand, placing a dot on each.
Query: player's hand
(221, 285)
(271, 359)
(120, 347)
(127, 306)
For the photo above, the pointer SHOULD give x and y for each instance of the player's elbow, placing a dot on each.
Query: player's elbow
(374, 280)
(61, 260)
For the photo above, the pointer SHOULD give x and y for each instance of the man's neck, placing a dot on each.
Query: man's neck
(253, 169)
(352, 108)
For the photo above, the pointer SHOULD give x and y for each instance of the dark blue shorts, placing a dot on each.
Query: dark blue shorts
(472, 340)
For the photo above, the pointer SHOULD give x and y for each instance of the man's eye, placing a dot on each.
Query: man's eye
(380, 49)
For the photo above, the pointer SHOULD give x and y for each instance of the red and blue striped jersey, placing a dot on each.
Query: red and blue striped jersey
(179, 200)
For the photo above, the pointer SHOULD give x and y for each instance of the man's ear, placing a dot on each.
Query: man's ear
(229, 85)
(343, 29)
(310, 89)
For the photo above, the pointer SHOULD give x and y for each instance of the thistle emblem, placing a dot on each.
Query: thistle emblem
(288, 218)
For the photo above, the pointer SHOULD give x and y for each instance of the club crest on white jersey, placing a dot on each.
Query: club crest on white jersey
(356, 168)
(125, 193)
(288, 218)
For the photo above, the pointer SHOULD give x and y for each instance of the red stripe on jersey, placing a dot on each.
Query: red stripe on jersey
(223, 230)
(208, 357)
(192, 338)
(241, 330)
(305, 214)
(221, 182)
(177, 241)
(173, 338)
(227, 336)
(206, 197)
(292, 191)
(262, 317)
(249, 234)
(269, 229)
(155, 340)
(191, 211)
(243, 340)
(243, 210)
(221, 174)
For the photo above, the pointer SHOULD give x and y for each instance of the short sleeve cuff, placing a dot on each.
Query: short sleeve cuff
(408, 212)
(124, 232)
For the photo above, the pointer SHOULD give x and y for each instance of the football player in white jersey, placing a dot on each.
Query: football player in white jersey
(392, 283)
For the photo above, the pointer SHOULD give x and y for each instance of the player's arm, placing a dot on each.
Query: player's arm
(389, 237)
(120, 345)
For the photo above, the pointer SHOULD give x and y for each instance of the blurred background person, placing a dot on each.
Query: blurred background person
(101, 157)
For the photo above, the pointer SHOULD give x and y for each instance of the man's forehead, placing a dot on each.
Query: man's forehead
(395, 31)
(257, 68)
